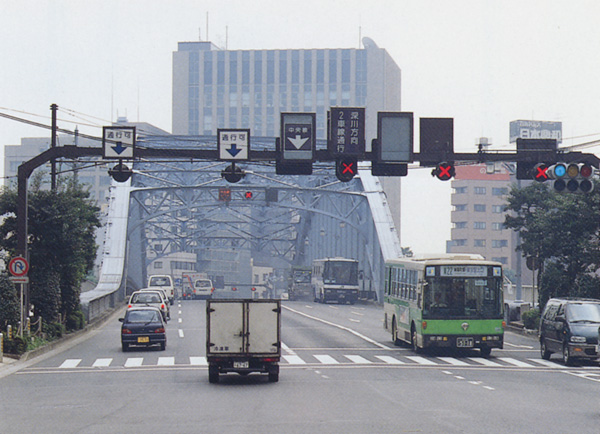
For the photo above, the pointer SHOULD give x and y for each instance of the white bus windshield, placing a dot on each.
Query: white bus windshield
(341, 273)
(462, 297)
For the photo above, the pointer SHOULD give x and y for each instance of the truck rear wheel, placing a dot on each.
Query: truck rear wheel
(213, 374)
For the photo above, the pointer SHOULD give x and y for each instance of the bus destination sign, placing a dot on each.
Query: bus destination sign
(463, 271)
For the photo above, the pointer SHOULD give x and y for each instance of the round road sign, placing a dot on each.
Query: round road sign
(18, 266)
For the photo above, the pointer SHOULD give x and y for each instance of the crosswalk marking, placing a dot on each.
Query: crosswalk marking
(390, 360)
(198, 361)
(134, 362)
(547, 363)
(102, 363)
(421, 360)
(70, 363)
(485, 362)
(357, 359)
(326, 360)
(516, 362)
(453, 361)
(293, 359)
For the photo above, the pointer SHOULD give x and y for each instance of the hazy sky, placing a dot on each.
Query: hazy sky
(484, 63)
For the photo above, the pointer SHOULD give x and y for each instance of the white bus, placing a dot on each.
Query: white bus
(335, 279)
(452, 301)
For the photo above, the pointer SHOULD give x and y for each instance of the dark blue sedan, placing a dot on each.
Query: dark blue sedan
(143, 326)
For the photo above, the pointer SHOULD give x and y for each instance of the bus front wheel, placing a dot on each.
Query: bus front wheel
(413, 339)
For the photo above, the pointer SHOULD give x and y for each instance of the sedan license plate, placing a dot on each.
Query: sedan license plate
(143, 340)
(464, 342)
(241, 365)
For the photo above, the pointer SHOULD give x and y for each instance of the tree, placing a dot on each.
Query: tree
(10, 312)
(562, 232)
(62, 249)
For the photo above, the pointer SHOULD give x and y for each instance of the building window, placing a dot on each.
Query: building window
(462, 207)
(459, 243)
(479, 243)
(479, 207)
(499, 191)
(460, 225)
(478, 225)
(158, 265)
(497, 226)
(498, 209)
(499, 243)
(333, 67)
(460, 190)
(502, 259)
(479, 190)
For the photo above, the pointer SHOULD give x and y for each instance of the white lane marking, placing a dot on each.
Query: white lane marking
(357, 313)
(353, 320)
(453, 361)
(390, 360)
(354, 332)
(508, 344)
(516, 362)
(166, 361)
(102, 363)
(179, 320)
(357, 359)
(180, 333)
(287, 349)
(326, 360)
(293, 359)
(421, 360)
(70, 363)
(198, 361)
(134, 362)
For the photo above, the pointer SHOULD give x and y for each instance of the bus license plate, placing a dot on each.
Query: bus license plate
(143, 340)
(241, 365)
(464, 342)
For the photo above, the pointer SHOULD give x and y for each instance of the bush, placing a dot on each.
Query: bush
(54, 330)
(17, 345)
(75, 321)
(531, 319)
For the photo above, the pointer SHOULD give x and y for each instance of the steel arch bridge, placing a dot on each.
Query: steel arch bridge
(272, 220)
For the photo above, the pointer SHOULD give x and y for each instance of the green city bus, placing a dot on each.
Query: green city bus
(452, 301)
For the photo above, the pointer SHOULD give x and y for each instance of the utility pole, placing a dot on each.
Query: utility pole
(54, 109)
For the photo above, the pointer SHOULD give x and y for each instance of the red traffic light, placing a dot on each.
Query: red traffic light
(346, 168)
(444, 171)
(540, 172)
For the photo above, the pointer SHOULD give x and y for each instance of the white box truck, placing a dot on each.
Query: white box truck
(243, 336)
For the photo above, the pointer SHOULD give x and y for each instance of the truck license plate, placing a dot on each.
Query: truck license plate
(241, 365)
(464, 342)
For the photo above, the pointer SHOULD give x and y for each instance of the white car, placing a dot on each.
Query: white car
(149, 297)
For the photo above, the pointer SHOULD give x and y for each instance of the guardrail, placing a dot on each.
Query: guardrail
(111, 285)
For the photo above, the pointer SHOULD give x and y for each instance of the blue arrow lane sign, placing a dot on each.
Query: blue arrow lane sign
(233, 144)
(118, 142)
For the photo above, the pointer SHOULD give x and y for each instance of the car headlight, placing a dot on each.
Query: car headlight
(578, 339)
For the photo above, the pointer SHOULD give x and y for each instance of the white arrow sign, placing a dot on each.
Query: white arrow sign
(298, 141)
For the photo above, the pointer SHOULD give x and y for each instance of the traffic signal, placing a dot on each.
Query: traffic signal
(444, 171)
(232, 173)
(346, 168)
(572, 177)
(540, 172)
(120, 173)
(248, 195)
(224, 194)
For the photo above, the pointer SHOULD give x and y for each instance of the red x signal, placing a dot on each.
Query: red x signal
(348, 168)
(541, 172)
(444, 171)
(345, 168)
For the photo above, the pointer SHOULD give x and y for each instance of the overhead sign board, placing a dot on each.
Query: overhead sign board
(436, 140)
(347, 131)
(233, 144)
(395, 137)
(535, 130)
(298, 136)
(118, 142)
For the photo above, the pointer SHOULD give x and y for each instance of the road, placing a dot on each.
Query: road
(340, 373)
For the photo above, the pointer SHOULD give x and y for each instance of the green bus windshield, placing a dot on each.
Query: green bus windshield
(462, 297)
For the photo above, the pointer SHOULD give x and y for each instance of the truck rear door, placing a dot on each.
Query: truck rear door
(263, 327)
(226, 328)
